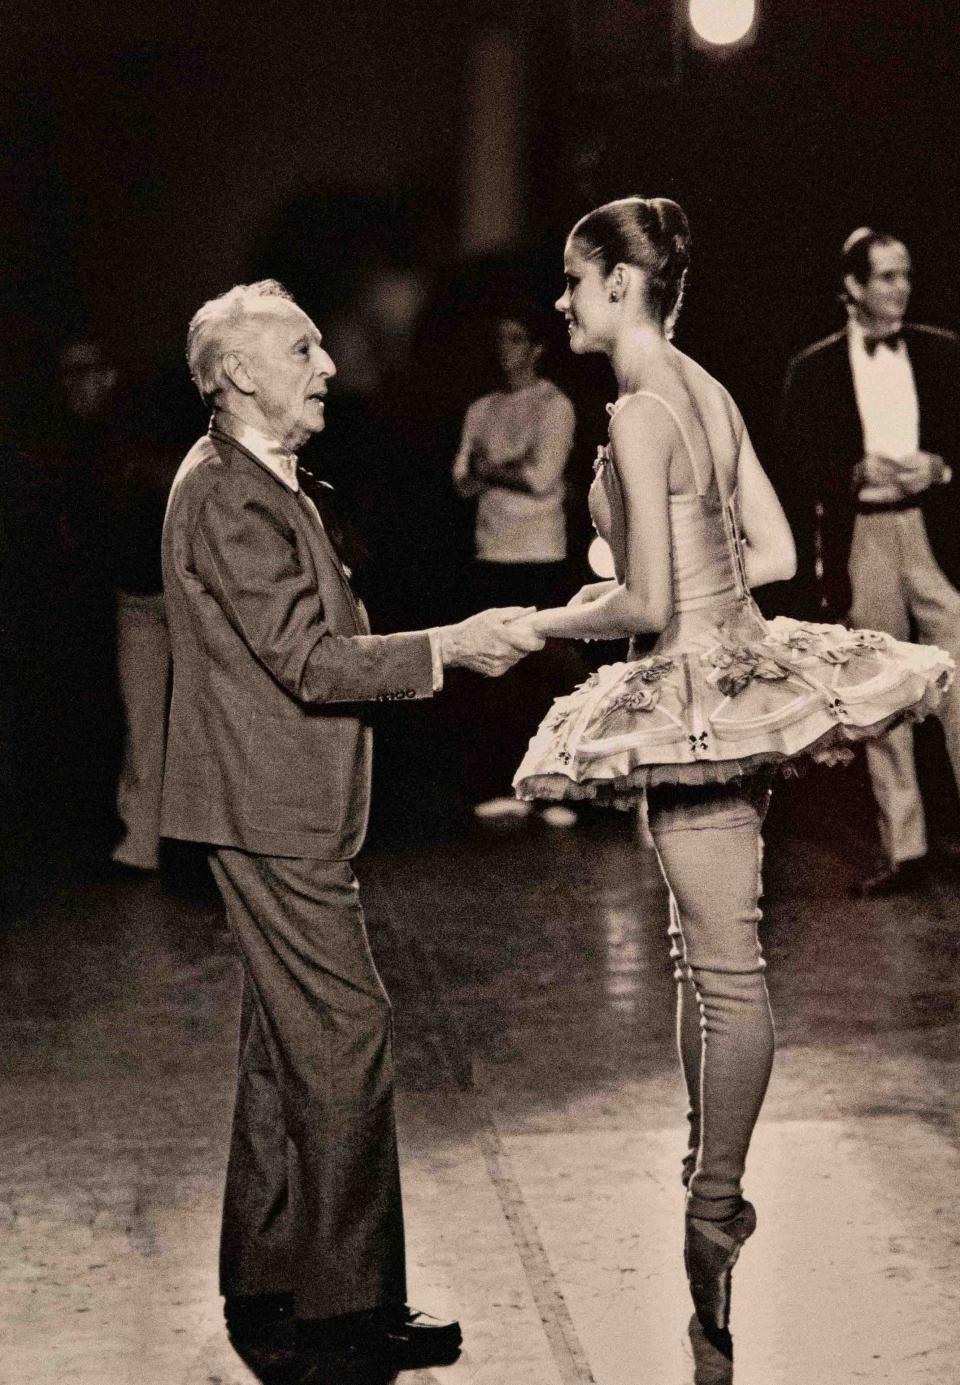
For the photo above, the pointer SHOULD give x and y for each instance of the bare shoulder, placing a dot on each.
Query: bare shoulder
(642, 419)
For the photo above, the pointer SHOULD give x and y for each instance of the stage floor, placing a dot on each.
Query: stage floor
(540, 1112)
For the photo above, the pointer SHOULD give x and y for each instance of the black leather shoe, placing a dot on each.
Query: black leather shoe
(401, 1336)
(413, 1339)
(899, 878)
(340, 1368)
(252, 1318)
(247, 1313)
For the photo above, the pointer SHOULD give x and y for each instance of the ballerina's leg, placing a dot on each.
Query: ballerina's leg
(708, 846)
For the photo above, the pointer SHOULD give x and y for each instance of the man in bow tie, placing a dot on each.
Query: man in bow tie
(268, 763)
(870, 444)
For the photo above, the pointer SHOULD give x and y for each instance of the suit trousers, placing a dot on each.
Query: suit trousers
(899, 587)
(312, 1204)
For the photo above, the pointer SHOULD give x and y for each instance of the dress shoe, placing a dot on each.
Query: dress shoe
(400, 1336)
(259, 1318)
(339, 1368)
(710, 1251)
(899, 878)
(413, 1339)
(250, 1312)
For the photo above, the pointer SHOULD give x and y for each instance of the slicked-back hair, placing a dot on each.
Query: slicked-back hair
(650, 232)
(855, 255)
(224, 324)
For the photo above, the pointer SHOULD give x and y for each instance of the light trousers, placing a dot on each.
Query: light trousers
(143, 671)
(898, 587)
(708, 844)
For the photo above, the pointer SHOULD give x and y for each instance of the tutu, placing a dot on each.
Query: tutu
(748, 693)
(724, 691)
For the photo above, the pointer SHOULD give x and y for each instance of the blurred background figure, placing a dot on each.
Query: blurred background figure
(88, 386)
(139, 496)
(512, 459)
(870, 448)
(114, 506)
(62, 561)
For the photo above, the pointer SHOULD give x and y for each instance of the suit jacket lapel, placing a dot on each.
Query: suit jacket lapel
(849, 424)
(316, 531)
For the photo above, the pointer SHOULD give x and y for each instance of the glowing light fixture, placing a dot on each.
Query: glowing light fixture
(600, 558)
(722, 22)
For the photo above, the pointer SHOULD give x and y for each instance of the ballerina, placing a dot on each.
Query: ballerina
(698, 726)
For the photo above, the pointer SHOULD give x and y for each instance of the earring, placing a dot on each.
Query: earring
(614, 297)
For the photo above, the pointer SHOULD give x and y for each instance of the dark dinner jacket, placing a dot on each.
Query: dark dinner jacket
(821, 441)
(268, 748)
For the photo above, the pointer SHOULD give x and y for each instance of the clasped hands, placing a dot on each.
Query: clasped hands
(885, 480)
(491, 641)
(495, 640)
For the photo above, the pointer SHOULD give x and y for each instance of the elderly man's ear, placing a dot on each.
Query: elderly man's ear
(237, 373)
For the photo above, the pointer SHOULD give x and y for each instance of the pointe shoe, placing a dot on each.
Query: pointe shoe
(710, 1251)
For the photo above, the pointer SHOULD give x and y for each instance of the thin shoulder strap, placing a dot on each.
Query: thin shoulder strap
(702, 483)
(731, 523)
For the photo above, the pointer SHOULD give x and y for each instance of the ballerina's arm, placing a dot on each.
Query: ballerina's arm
(592, 592)
(769, 552)
(642, 438)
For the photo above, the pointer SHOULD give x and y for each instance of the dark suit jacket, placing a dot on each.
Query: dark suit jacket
(268, 749)
(821, 441)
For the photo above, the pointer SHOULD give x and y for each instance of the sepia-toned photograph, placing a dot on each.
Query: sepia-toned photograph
(479, 692)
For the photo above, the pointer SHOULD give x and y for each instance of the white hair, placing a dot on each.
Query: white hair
(224, 324)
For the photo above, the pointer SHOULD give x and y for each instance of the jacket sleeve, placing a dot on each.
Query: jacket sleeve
(250, 561)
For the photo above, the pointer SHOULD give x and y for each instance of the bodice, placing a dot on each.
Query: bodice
(703, 540)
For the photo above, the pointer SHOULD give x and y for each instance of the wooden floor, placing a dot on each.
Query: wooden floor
(540, 1111)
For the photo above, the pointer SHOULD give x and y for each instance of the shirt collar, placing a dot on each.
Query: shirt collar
(267, 450)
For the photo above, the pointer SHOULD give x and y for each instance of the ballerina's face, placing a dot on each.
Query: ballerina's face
(585, 302)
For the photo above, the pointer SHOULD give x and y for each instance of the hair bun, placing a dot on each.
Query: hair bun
(674, 226)
(650, 232)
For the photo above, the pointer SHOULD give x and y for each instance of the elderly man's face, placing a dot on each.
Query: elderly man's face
(289, 370)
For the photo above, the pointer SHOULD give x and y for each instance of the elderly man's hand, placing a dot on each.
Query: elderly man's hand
(488, 643)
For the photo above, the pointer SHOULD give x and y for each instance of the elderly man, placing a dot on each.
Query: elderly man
(268, 761)
(871, 443)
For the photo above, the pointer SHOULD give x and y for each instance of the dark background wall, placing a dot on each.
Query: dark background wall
(149, 143)
(155, 153)
(148, 147)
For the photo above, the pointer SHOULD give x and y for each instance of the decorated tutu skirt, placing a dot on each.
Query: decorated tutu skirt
(724, 695)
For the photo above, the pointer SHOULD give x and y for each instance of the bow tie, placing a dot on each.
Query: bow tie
(870, 344)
